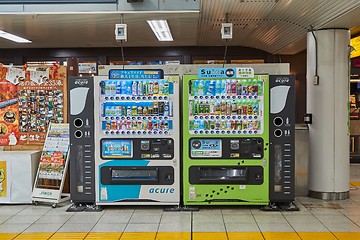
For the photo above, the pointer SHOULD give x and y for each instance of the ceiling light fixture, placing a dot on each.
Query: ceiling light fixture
(161, 29)
(13, 37)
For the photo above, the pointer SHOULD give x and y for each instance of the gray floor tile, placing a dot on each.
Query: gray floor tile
(308, 227)
(270, 219)
(34, 210)
(76, 227)
(332, 218)
(54, 219)
(19, 219)
(3, 218)
(145, 219)
(110, 227)
(275, 227)
(171, 217)
(342, 227)
(141, 227)
(208, 227)
(237, 211)
(121, 218)
(207, 217)
(242, 227)
(44, 227)
(175, 227)
(309, 218)
(13, 228)
(237, 218)
(82, 219)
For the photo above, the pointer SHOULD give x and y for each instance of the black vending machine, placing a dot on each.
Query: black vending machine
(82, 161)
(282, 142)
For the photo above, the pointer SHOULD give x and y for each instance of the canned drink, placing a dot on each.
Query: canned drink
(145, 125)
(166, 125)
(244, 110)
(228, 124)
(218, 87)
(155, 125)
(244, 90)
(196, 124)
(166, 109)
(255, 124)
(162, 125)
(212, 124)
(139, 125)
(244, 125)
(217, 108)
(156, 108)
(217, 125)
(191, 124)
(223, 107)
(201, 87)
(233, 87)
(134, 88)
(233, 125)
(238, 88)
(161, 108)
(150, 125)
(166, 90)
(150, 88)
(206, 125)
(134, 111)
(145, 111)
(228, 87)
(156, 88)
(134, 125)
(228, 108)
(233, 107)
(108, 125)
(212, 107)
(249, 126)
(128, 111)
(128, 125)
(256, 108)
(202, 125)
(139, 111)
(113, 125)
(223, 125)
(250, 109)
(140, 88)
(239, 125)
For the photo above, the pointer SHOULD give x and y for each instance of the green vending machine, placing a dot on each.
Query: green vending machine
(226, 137)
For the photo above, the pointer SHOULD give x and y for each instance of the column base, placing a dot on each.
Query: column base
(329, 195)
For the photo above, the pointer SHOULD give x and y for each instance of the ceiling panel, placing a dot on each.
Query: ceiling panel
(276, 26)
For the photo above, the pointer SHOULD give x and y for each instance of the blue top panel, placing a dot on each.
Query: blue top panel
(217, 73)
(136, 74)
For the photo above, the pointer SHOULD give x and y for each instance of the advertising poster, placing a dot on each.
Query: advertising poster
(41, 101)
(3, 173)
(53, 157)
(9, 124)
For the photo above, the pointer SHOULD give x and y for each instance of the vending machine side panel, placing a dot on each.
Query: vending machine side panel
(81, 119)
(282, 138)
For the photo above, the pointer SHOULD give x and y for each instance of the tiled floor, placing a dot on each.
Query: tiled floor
(316, 219)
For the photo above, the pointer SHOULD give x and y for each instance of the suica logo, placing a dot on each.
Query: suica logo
(282, 80)
(161, 190)
(81, 82)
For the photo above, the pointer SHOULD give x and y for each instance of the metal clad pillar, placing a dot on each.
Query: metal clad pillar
(327, 101)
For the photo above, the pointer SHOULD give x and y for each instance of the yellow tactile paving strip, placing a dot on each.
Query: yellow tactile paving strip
(186, 236)
(355, 184)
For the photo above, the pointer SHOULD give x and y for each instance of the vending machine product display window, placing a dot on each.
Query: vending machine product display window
(137, 138)
(226, 137)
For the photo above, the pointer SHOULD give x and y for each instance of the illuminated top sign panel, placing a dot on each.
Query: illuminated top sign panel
(54, 1)
(136, 74)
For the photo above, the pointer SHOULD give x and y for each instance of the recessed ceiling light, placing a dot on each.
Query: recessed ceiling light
(161, 29)
(13, 37)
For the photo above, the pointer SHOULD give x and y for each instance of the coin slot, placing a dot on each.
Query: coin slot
(278, 121)
(278, 133)
(78, 134)
(78, 122)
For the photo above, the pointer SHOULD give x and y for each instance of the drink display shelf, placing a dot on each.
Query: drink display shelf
(135, 132)
(227, 132)
(225, 97)
(106, 118)
(119, 97)
(224, 117)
